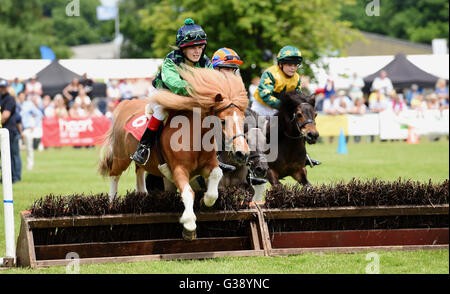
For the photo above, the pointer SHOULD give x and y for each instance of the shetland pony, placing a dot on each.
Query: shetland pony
(217, 95)
(256, 166)
(296, 126)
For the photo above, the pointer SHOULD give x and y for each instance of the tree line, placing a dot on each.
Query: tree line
(256, 29)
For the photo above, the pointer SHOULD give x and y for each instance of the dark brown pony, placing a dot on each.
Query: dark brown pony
(214, 93)
(256, 166)
(296, 126)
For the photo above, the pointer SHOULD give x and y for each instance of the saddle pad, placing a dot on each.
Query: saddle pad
(136, 126)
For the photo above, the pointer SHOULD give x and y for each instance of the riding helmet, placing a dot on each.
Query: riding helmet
(290, 54)
(226, 57)
(190, 34)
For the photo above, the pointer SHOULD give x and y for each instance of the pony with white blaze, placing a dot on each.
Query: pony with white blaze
(216, 94)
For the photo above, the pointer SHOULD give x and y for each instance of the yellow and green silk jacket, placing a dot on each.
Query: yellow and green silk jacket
(273, 83)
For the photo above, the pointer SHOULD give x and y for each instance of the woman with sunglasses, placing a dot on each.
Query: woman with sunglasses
(226, 60)
(277, 80)
(191, 43)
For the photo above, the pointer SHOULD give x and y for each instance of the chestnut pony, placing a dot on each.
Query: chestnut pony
(217, 95)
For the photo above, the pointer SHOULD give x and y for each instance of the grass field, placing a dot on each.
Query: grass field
(66, 171)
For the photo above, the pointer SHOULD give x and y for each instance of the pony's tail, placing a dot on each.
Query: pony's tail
(106, 155)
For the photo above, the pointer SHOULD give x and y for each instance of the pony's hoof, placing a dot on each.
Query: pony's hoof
(208, 201)
(203, 204)
(189, 235)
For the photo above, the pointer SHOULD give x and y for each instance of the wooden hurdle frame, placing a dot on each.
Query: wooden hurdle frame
(34, 256)
(259, 242)
(285, 243)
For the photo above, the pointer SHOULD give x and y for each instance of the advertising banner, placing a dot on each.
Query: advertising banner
(74, 131)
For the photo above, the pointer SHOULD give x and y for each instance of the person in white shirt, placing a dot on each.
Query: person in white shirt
(83, 99)
(335, 105)
(396, 103)
(331, 106)
(344, 102)
(383, 83)
(32, 126)
(378, 104)
(48, 106)
(76, 111)
(356, 86)
(33, 87)
(358, 107)
(126, 90)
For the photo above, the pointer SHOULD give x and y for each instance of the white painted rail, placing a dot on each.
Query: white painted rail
(7, 197)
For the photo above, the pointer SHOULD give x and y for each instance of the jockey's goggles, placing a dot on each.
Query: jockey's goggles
(231, 59)
(298, 60)
(192, 36)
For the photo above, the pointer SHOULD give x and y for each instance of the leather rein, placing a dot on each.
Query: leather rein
(228, 141)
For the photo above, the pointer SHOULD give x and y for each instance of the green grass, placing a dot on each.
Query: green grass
(390, 262)
(66, 171)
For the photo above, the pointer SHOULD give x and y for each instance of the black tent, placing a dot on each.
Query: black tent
(55, 77)
(403, 74)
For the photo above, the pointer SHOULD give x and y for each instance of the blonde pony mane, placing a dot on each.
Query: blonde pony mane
(203, 86)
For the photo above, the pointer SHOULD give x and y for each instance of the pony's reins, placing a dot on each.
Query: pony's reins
(215, 112)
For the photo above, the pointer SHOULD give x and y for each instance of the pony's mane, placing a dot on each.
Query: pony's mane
(297, 97)
(203, 86)
(290, 100)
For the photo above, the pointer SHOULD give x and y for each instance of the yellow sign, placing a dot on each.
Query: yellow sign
(331, 125)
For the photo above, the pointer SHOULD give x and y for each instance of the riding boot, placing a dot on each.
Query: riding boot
(142, 153)
(312, 162)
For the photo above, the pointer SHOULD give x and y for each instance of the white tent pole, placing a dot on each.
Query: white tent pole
(117, 28)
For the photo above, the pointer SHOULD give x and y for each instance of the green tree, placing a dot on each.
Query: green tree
(414, 20)
(138, 38)
(28, 24)
(250, 27)
(78, 30)
(24, 30)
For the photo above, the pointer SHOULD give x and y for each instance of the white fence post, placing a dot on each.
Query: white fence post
(7, 199)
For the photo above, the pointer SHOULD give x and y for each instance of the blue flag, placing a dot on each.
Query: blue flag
(47, 53)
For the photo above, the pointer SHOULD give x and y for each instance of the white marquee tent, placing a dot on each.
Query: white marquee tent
(338, 67)
(95, 68)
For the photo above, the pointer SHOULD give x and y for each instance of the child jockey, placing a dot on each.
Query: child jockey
(227, 60)
(277, 80)
(191, 43)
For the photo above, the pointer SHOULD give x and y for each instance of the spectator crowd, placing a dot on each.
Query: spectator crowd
(24, 106)
(382, 97)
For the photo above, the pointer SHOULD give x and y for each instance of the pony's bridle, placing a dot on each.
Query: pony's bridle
(300, 126)
(261, 156)
(228, 141)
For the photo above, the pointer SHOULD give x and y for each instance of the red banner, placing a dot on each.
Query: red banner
(74, 131)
